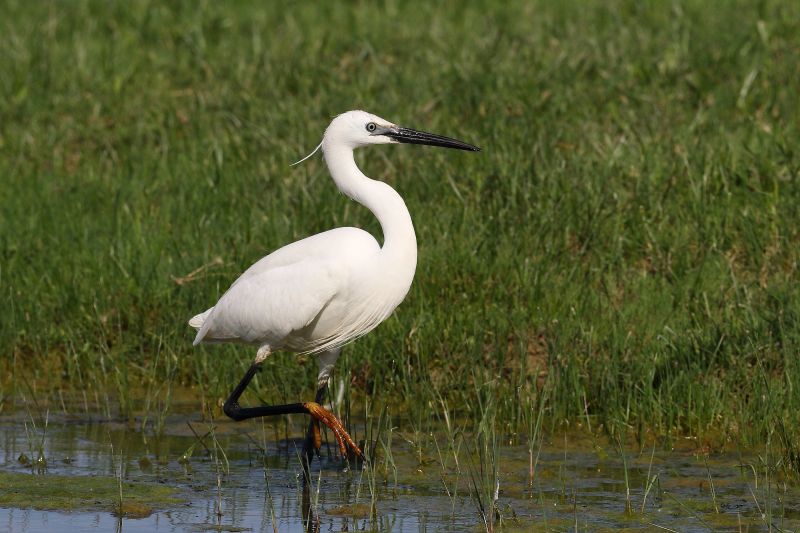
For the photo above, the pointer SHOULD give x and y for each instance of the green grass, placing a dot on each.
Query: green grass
(630, 232)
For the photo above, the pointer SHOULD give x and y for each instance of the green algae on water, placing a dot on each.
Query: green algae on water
(358, 510)
(84, 493)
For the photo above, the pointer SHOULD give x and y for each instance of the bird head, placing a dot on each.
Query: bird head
(354, 129)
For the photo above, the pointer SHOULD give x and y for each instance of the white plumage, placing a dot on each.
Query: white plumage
(311, 295)
(323, 291)
(317, 294)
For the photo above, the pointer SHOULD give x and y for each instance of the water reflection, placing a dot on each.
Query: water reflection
(247, 478)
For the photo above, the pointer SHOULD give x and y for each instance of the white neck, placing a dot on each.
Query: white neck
(399, 240)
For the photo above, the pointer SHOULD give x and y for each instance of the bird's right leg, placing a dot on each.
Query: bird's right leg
(326, 361)
(317, 412)
(313, 439)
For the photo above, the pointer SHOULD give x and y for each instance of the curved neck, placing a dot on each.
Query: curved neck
(384, 202)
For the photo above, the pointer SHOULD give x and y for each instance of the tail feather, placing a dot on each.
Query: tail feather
(197, 322)
(203, 325)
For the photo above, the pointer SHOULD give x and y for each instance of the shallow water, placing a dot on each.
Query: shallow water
(249, 481)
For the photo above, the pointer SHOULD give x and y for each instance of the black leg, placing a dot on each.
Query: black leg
(310, 518)
(309, 446)
(234, 411)
(317, 412)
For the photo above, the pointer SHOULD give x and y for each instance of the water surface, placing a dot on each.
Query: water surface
(246, 477)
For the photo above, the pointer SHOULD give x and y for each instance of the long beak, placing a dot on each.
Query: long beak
(409, 136)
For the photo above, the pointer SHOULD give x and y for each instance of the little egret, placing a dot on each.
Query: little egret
(319, 293)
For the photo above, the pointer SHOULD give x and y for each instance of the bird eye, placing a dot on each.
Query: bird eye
(371, 127)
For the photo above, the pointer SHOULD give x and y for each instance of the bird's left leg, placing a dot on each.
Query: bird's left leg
(313, 440)
(317, 412)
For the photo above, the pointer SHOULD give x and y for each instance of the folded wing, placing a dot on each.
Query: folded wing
(266, 307)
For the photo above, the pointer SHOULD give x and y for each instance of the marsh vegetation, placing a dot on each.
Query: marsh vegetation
(619, 265)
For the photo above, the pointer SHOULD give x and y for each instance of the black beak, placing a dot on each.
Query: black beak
(409, 136)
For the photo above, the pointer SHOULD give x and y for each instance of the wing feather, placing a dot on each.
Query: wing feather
(265, 307)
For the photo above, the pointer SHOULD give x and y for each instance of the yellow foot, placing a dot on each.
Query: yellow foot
(320, 414)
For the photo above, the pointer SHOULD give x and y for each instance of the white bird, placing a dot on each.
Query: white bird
(321, 292)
